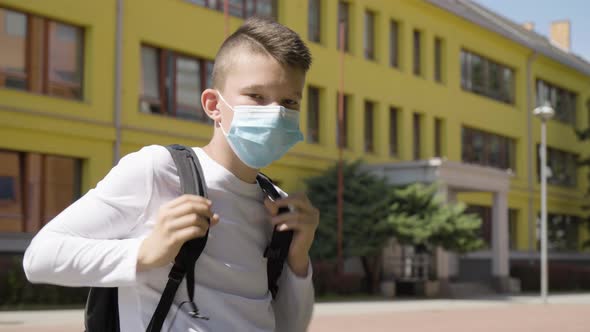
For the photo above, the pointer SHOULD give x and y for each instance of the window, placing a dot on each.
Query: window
(65, 59)
(13, 42)
(394, 44)
(562, 232)
(343, 17)
(513, 229)
(486, 77)
(417, 53)
(486, 149)
(14, 23)
(172, 83)
(438, 49)
(369, 126)
(342, 141)
(485, 232)
(151, 102)
(189, 85)
(313, 115)
(393, 131)
(7, 188)
(369, 35)
(242, 8)
(417, 136)
(42, 56)
(34, 188)
(314, 20)
(562, 100)
(563, 166)
(438, 137)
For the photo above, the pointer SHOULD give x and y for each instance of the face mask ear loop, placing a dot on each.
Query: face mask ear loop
(222, 130)
(223, 99)
(231, 108)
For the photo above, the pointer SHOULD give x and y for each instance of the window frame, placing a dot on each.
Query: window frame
(314, 29)
(394, 43)
(369, 45)
(342, 141)
(46, 61)
(571, 114)
(438, 59)
(417, 39)
(470, 82)
(26, 76)
(438, 137)
(369, 124)
(417, 119)
(568, 163)
(572, 222)
(313, 99)
(37, 47)
(15, 190)
(218, 5)
(506, 153)
(394, 114)
(167, 85)
(343, 8)
(513, 217)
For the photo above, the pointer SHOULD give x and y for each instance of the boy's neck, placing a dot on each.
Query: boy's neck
(219, 150)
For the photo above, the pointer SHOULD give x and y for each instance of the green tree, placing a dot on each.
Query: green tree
(365, 226)
(421, 218)
(374, 211)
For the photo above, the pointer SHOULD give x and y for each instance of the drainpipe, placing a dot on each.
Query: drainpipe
(118, 81)
(530, 149)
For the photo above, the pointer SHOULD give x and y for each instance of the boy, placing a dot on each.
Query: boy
(126, 232)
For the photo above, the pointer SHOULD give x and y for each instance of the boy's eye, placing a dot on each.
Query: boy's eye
(255, 96)
(290, 103)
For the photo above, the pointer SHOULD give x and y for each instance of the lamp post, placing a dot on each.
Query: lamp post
(544, 112)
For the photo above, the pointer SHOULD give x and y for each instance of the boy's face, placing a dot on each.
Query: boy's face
(258, 79)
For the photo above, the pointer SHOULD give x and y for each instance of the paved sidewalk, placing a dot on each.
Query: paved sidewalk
(564, 313)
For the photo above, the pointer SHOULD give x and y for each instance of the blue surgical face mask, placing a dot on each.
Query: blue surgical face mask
(259, 135)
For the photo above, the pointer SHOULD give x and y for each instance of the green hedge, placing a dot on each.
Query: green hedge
(16, 292)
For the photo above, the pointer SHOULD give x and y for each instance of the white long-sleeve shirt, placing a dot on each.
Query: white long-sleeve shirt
(95, 242)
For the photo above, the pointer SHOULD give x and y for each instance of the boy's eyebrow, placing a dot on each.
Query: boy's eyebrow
(262, 87)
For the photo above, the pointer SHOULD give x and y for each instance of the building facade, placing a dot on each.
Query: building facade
(83, 83)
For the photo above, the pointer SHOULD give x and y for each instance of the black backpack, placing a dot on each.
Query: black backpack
(102, 308)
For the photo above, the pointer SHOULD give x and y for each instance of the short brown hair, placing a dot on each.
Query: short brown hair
(263, 36)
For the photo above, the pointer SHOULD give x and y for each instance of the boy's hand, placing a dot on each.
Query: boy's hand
(303, 220)
(179, 220)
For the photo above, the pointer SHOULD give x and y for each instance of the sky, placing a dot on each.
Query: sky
(543, 12)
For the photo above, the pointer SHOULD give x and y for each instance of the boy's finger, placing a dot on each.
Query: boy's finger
(188, 199)
(214, 219)
(287, 217)
(271, 207)
(191, 207)
(298, 202)
(190, 233)
(290, 225)
(188, 221)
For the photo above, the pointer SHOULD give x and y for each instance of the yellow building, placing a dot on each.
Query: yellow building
(85, 82)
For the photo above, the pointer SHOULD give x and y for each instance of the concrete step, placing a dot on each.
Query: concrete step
(465, 290)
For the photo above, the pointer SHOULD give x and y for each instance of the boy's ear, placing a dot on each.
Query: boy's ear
(210, 102)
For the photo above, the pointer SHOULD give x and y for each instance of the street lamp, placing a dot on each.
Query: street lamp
(544, 112)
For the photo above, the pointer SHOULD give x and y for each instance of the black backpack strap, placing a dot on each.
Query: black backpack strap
(193, 183)
(278, 249)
